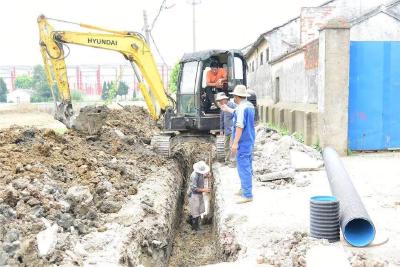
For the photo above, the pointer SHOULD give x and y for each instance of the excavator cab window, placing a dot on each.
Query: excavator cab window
(237, 70)
(187, 88)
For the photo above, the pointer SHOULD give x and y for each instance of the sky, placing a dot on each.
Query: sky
(220, 24)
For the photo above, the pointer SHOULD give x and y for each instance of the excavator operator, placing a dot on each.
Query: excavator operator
(216, 78)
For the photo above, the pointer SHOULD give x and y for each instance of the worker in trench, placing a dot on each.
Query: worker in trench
(195, 193)
(225, 122)
(243, 135)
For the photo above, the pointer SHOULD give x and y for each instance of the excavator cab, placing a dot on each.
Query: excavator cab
(193, 112)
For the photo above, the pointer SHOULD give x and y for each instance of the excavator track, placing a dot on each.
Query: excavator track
(162, 144)
(220, 147)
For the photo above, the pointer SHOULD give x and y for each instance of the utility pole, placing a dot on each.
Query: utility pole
(194, 3)
(146, 27)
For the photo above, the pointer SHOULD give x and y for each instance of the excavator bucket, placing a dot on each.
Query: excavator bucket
(90, 119)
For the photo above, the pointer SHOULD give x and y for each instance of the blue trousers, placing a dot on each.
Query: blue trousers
(245, 170)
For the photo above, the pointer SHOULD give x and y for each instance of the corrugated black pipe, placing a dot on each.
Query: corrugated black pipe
(324, 218)
(357, 227)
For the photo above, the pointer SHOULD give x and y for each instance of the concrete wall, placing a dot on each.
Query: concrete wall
(395, 9)
(381, 27)
(284, 39)
(333, 86)
(312, 19)
(349, 9)
(297, 76)
(260, 82)
(259, 79)
(292, 79)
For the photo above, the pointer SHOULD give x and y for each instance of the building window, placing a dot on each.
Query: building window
(261, 58)
(267, 55)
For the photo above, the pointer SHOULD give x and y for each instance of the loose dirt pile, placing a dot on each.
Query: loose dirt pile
(72, 181)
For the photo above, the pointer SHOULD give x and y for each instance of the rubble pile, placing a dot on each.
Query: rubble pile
(279, 160)
(293, 251)
(361, 259)
(56, 188)
(289, 251)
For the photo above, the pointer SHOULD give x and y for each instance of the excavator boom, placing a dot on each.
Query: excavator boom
(130, 44)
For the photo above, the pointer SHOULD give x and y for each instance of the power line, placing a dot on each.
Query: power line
(158, 50)
(148, 31)
(158, 14)
(194, 3)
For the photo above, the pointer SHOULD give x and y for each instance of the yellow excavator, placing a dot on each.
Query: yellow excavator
(185, 115)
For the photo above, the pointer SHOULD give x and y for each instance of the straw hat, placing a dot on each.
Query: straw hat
(221, 96)
(240, 90)
(201, 167)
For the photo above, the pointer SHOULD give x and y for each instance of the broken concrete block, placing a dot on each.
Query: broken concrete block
(119, 134)
(109, 206)
(285, 174)
(284, 144)
(303, 162)
(47, 240)
(79, 195)
(3, 258)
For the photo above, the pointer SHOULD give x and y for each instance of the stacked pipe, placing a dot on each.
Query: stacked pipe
(357, 227)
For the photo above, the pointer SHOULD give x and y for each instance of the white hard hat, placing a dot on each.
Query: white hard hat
(240, 90)
(221, 96)
(201, 167)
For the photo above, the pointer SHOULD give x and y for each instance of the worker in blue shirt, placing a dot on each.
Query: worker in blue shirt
(243, 140)
(225, 124)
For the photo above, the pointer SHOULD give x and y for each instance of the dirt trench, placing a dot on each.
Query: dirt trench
(192, 248)
(113, 200)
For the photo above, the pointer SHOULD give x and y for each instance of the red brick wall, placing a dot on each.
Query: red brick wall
(312, 19)
(311, 55)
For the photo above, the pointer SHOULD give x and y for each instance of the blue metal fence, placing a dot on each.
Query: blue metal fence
(374, 96)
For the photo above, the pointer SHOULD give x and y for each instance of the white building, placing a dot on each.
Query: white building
(288, 70)
(19, 96)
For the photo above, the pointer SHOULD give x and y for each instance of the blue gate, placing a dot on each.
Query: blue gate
(374, 96)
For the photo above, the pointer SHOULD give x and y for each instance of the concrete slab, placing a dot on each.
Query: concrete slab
(303, 162)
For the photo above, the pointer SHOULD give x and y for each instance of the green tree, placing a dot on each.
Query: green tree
(104, 92)
(3, 91)
(41, 89)
(112, 92)
(23, 82)
(173, 78)
(77, 95)
(122, 88)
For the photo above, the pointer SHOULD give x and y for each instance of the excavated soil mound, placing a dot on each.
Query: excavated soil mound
(73, 180)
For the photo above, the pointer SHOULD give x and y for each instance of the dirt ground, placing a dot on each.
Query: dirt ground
(32, 119)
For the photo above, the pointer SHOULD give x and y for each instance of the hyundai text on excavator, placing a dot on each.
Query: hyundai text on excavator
(185, 115)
